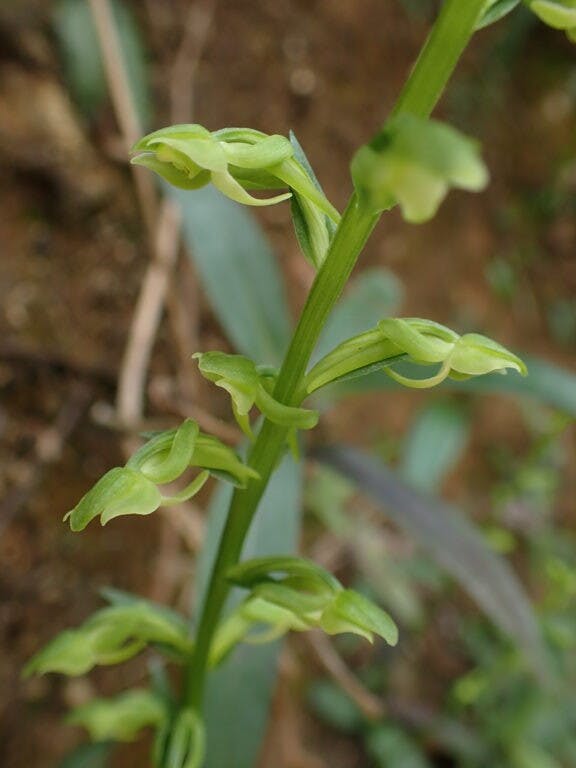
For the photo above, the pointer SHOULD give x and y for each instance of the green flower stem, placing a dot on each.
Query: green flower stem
(355, 227)
(448, 38)
(439, 56)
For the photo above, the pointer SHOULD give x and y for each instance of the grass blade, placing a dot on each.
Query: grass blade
(433, 445)
(454, 543)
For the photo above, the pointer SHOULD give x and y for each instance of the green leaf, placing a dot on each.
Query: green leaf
(433, 445)
(455, 544)
(240, 689)
(239, 273)
(82, 60)
(334, 706)
(89, 756)
(120, 718)
(389, 746)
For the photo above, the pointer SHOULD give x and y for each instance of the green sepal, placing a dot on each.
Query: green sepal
(248, 386)
(167, 455)
(422, 340)
(559, 14)
(350, 611)
(414, 162)
(193, 487)
(120, 718)
(222, 461)
(268, 152)
(121, 491)
(172, 173)
(476, 355)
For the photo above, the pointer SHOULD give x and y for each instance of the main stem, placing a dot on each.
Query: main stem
(431, 72)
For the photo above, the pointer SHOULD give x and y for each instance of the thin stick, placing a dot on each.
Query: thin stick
(196, 30)
(371, 706)
(122, 101)
(131, 384)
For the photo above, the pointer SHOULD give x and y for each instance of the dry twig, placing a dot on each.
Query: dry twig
(371, 706)
(123, 101)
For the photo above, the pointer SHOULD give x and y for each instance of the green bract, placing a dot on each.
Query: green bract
(414, 162)
(559, 14)
(111, 636)
(419, 341)
(236, 160)
(289, 593)
(120, 718)
(249, 385)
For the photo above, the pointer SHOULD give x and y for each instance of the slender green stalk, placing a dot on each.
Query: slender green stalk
(355, 227)
(439, 56)
(433, 68)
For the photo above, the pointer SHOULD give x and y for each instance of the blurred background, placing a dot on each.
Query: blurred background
(107, 287)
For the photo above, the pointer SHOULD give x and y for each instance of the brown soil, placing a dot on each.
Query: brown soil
(74, 255)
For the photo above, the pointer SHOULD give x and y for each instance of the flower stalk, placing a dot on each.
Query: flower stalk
(438, 59)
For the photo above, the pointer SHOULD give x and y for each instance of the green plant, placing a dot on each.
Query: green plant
(412, 161)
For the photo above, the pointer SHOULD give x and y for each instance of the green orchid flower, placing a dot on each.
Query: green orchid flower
(237, 161)
(289, 593)
(423, 342)
(249, 385)
(414, 162)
